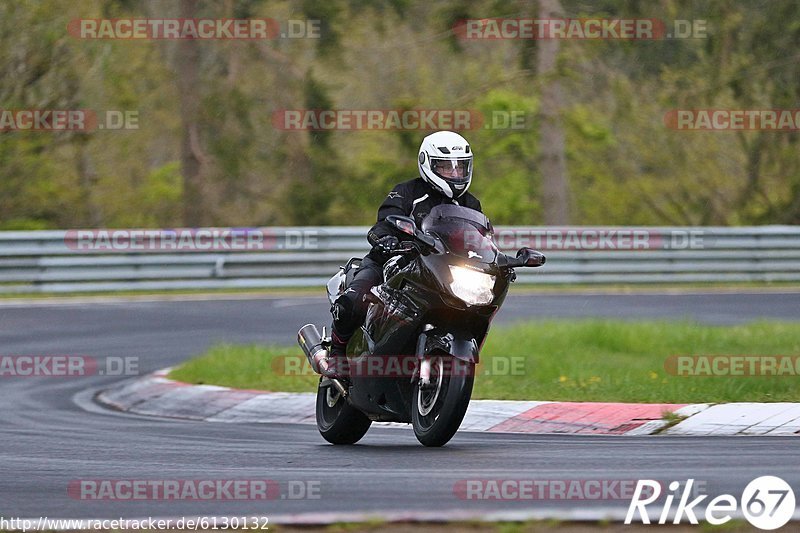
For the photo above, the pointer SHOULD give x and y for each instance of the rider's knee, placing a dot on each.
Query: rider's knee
(345, 313)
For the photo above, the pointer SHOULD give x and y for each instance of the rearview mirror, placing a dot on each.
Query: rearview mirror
(404, 224)
(530, 257)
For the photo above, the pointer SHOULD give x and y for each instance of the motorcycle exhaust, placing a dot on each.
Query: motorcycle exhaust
(313, 346)
(311, 342)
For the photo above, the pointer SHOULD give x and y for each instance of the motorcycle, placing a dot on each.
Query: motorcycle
(413, 360)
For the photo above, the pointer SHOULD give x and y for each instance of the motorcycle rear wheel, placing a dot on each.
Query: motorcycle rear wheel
(437, 412)
(337, 421)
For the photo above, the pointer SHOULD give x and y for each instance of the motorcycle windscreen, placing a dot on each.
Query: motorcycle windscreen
(463, 238)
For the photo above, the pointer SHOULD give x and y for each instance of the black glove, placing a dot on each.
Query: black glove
(387, 245)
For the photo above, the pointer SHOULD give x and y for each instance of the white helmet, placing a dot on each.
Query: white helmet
(445, 163)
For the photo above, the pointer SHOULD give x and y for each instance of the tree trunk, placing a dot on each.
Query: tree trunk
(195, 212)
(552, 161)
(88, 181)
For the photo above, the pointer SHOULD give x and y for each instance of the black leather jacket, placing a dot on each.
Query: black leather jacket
(413, 198)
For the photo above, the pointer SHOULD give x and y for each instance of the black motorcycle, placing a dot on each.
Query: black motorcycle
(413, 360)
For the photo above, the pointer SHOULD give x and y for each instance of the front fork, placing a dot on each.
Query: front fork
(424, 360)
(459, 346)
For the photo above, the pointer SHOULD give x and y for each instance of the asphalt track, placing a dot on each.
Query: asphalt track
(49, 438)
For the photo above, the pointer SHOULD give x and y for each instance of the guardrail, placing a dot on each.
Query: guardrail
(59, 261)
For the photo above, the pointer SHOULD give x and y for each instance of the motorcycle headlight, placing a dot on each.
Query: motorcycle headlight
(471, 286)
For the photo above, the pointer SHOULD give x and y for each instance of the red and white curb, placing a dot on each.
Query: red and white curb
(156, 395)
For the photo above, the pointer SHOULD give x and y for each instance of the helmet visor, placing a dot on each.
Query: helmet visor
(452, 169)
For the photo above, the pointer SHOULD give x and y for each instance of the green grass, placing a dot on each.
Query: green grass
(246, 367)
(577, 360)
(521, 288)
(266, 291)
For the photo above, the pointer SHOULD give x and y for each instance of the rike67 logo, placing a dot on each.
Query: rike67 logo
(767, 503)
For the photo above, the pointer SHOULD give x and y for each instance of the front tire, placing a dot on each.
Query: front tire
(437, 412)
(338, 422)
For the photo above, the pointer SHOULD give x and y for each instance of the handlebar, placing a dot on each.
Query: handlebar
(424, 243)
(407, 247)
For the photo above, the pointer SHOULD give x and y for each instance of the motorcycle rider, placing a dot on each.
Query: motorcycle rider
(445, 173)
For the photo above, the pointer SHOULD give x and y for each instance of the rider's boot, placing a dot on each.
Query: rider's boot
(337, 357)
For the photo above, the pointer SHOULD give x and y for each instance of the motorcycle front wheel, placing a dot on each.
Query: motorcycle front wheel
(438, 409)
(338, 422)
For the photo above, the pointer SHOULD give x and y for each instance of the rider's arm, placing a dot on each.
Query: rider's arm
(394, 204)
(472, 203)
